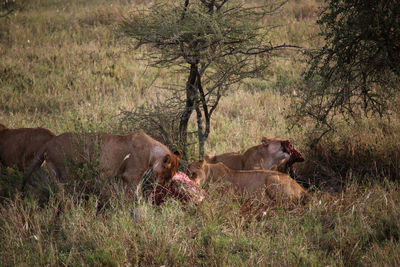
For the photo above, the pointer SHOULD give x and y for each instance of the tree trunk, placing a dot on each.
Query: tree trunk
(200, 135)
(191, 98)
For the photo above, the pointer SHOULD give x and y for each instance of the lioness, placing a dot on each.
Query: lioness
(126, 156)
(19, 146)
(272, 153)
(275, 184)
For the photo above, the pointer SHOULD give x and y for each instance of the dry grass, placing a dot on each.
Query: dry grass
(359, 226)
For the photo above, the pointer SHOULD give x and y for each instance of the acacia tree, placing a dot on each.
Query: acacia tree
(357, 71)
(218, 43)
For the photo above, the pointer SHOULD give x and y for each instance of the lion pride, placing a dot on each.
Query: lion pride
(275, 184)
(126, 156)
(272, 153)
(19, 146)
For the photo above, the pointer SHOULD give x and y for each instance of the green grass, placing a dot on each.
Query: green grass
(63, 67)
(358, 227)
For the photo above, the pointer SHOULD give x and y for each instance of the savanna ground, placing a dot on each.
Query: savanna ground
(63, 67)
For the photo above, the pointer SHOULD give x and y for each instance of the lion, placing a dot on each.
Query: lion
(18, 147)
(123, 156)
(276, 185)
(273, 153)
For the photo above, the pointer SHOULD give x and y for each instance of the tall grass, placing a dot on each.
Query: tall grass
(359, 227)
(63, 67)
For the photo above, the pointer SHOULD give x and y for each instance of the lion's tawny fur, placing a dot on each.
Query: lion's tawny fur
(275, 184)
(19, 146)
(126, 156)
(264, 156)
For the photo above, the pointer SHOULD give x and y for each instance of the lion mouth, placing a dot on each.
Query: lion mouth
(295, 155)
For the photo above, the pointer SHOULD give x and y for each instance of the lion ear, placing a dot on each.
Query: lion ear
(178, 153)
(265, 141)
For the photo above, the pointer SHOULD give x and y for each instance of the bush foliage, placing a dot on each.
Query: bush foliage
(356, 73)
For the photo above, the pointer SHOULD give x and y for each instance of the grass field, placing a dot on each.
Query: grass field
(64, 67)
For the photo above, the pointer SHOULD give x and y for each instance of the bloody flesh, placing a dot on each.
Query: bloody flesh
(295, 156)
(180, 188)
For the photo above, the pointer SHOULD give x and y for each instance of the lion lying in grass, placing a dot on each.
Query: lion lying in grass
(19, 146)
(125, 156)
(272, 153)
(276, 185)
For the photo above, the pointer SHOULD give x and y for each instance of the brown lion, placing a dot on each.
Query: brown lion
(19, 146)
(125, 156)
(276, 185)
(272, 153)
